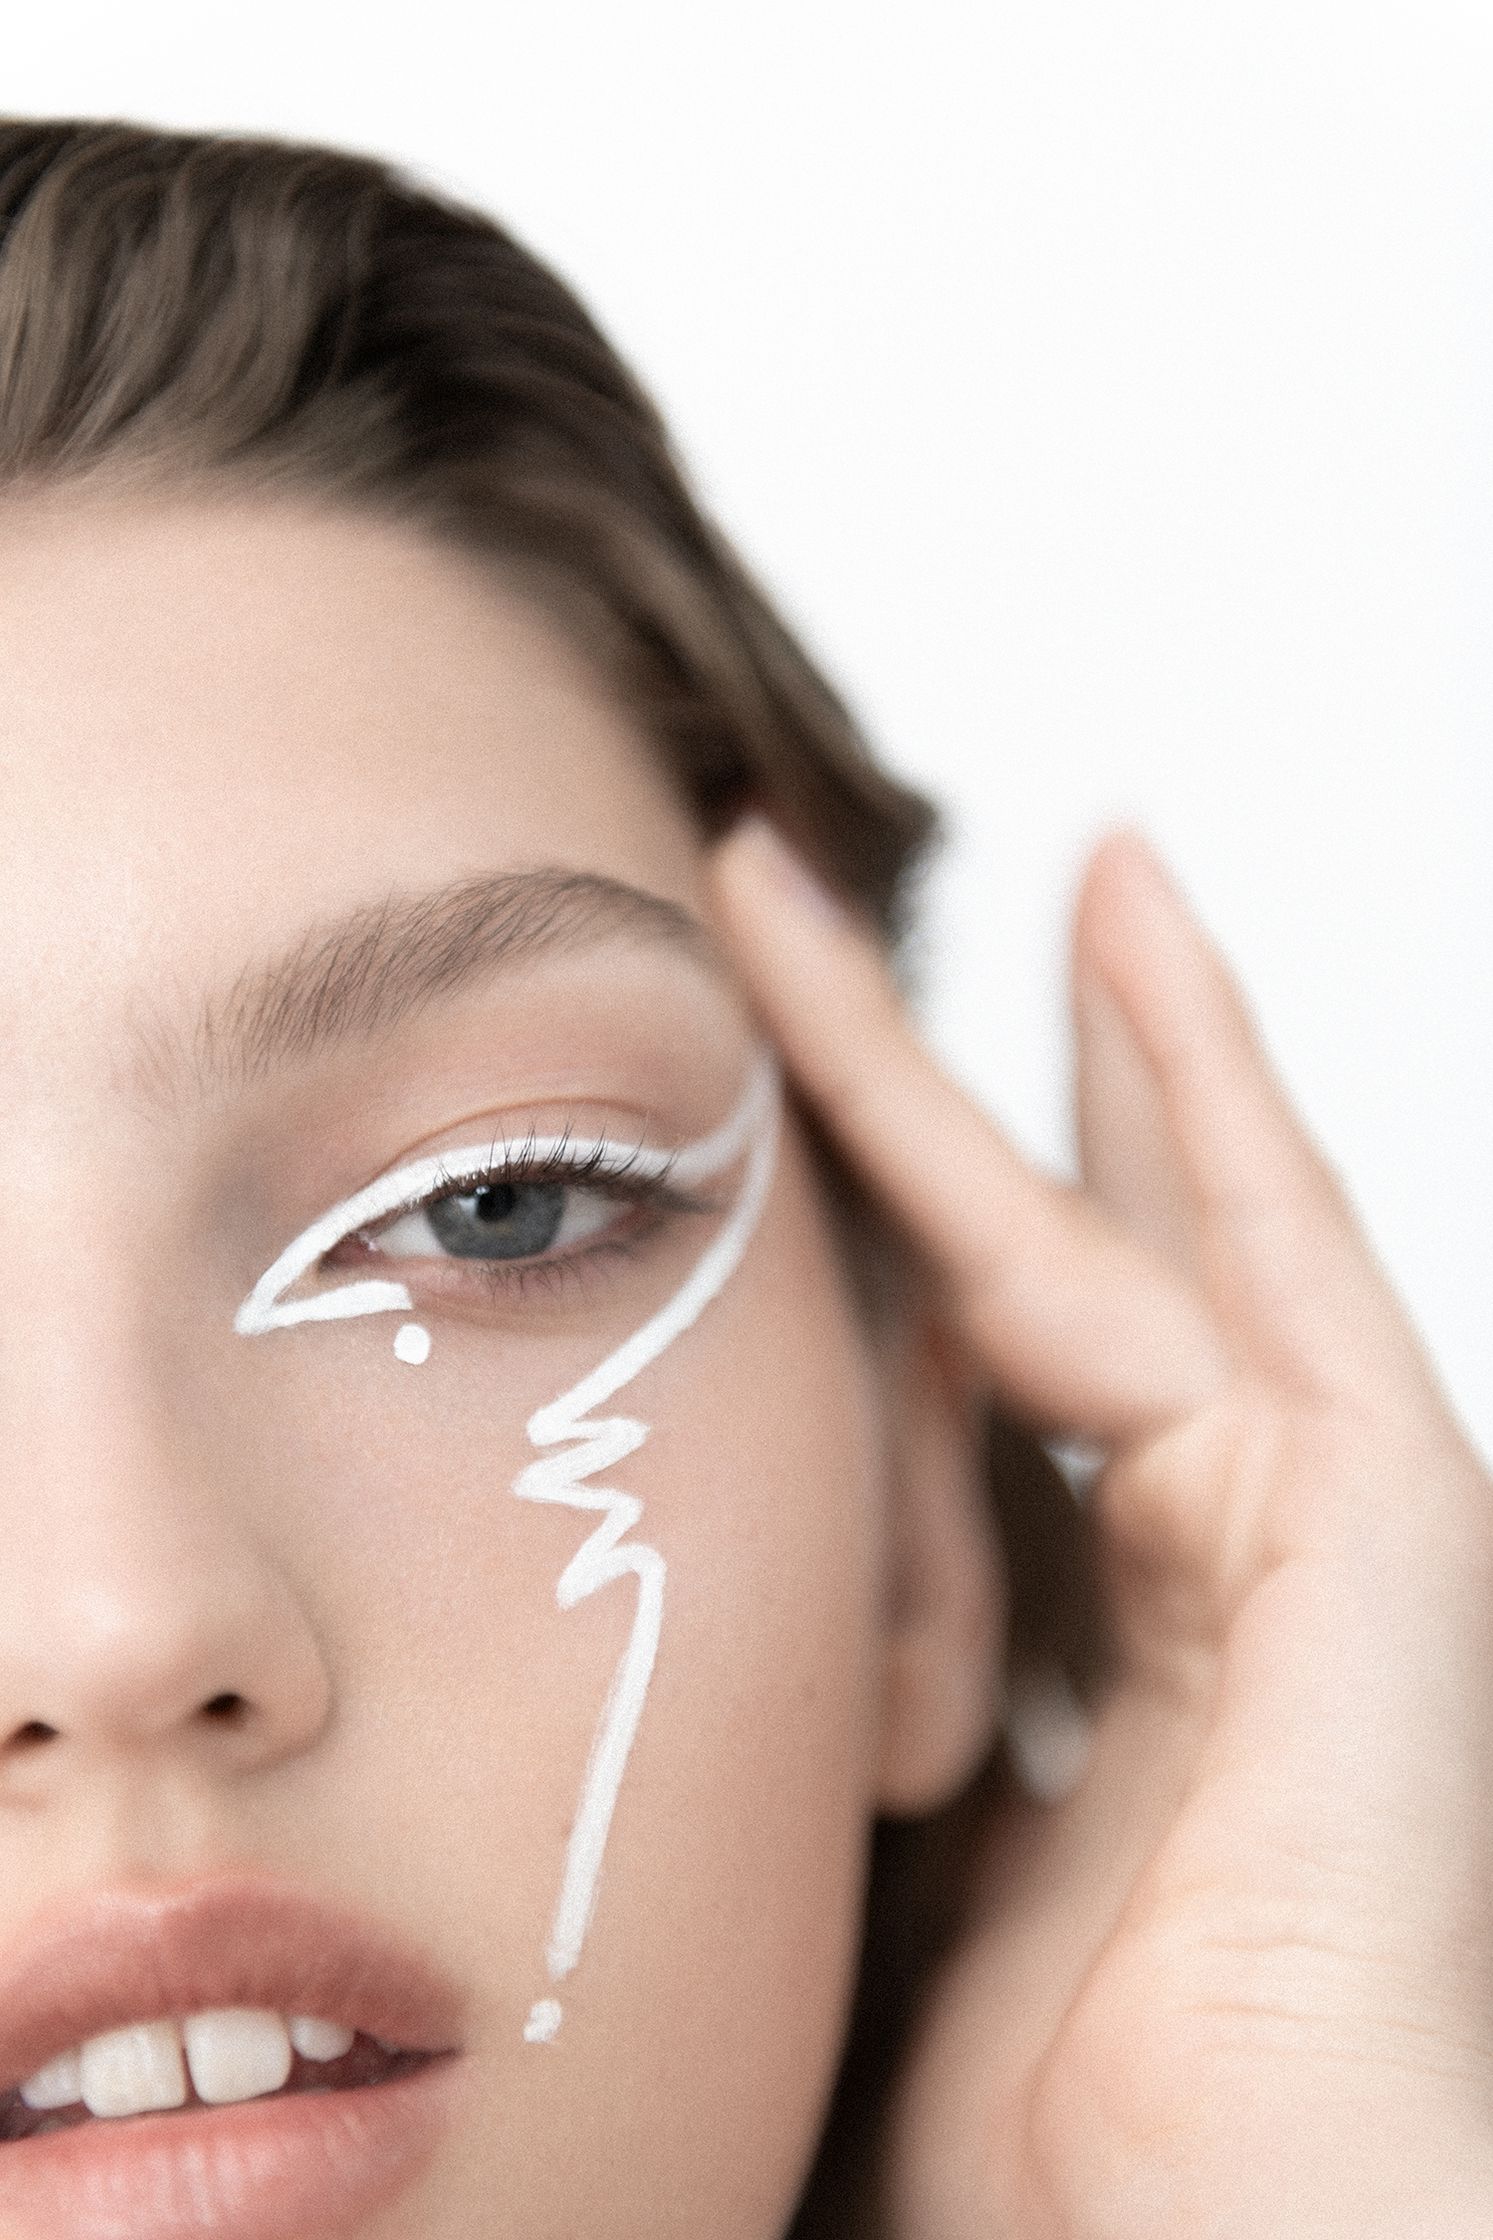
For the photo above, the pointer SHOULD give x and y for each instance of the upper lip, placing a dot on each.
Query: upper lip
(229, 1940)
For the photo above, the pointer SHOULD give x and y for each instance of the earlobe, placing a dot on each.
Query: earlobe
(944, 1610)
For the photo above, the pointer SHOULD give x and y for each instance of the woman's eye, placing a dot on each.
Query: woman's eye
(498, 1220)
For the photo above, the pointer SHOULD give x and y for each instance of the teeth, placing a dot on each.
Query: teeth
(234, 2053)
(127, 2071)
(237, 2053)
(58, 2084)
(315, 2040)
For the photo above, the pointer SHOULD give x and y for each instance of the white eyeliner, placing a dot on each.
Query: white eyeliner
(590, 1446)
(266, 1309)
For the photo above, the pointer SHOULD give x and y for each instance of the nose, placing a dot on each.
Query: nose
(146, 1631)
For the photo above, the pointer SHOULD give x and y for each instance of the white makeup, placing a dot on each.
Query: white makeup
(412, 1343)
(584, 1442)
(594, 1443)
(267, 1308)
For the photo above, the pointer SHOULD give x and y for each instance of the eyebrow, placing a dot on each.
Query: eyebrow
(357, 975)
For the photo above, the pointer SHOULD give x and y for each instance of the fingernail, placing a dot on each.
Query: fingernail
(786, 868)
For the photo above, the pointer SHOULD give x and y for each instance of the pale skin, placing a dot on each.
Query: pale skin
(228, 723)
(1241, 1980)
(1235, 1985)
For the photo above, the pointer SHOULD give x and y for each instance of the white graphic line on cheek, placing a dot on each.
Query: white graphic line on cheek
(591, 1446)
(608, 1554)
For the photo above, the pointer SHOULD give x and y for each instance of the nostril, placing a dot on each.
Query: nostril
(229, 1710)
(32, 1733)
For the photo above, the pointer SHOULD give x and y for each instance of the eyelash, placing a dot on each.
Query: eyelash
(603, 1170)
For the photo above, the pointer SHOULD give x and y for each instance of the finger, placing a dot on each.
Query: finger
(1080, 1325)
(1282, 1250)
(1126, 1152)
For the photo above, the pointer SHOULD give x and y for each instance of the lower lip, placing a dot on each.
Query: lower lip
(291, 2168)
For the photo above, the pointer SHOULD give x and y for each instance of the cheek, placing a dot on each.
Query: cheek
(717, 1967)
(735, 1898)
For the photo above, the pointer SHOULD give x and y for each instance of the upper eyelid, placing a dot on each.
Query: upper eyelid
(411, 1185)
(602, 1157)
(581, 1163)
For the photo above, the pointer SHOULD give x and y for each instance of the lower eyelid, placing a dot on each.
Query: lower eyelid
(461, 1282)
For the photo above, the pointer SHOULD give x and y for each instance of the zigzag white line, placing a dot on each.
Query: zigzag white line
(598, 1444)
(590, 1445)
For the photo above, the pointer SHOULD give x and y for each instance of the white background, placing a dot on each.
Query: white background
(1106, 392)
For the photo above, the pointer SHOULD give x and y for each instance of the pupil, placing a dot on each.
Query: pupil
(499, 1220)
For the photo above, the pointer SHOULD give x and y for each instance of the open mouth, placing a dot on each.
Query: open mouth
(315, 2057)
(366, 2062)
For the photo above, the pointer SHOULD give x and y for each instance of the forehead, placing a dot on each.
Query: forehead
(227, 719)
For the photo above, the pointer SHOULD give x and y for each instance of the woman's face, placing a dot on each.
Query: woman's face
(287, 800)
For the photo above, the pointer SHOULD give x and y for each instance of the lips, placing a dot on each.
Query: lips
(234, 1940)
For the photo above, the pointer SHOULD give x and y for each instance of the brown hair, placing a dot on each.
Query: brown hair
(183, 306)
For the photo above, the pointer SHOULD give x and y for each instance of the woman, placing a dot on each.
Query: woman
(503, 1633)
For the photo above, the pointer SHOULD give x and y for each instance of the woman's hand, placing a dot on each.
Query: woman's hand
(1240, 1981)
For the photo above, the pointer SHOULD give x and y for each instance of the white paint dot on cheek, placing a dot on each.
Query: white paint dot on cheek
(543, 2022)
(412, 1343)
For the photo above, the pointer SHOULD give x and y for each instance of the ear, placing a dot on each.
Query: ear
(944, 1606)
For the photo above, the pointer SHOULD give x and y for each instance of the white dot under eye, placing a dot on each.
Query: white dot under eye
(412, 1343)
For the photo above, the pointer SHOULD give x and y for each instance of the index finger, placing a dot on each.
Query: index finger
(1079, 1325)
